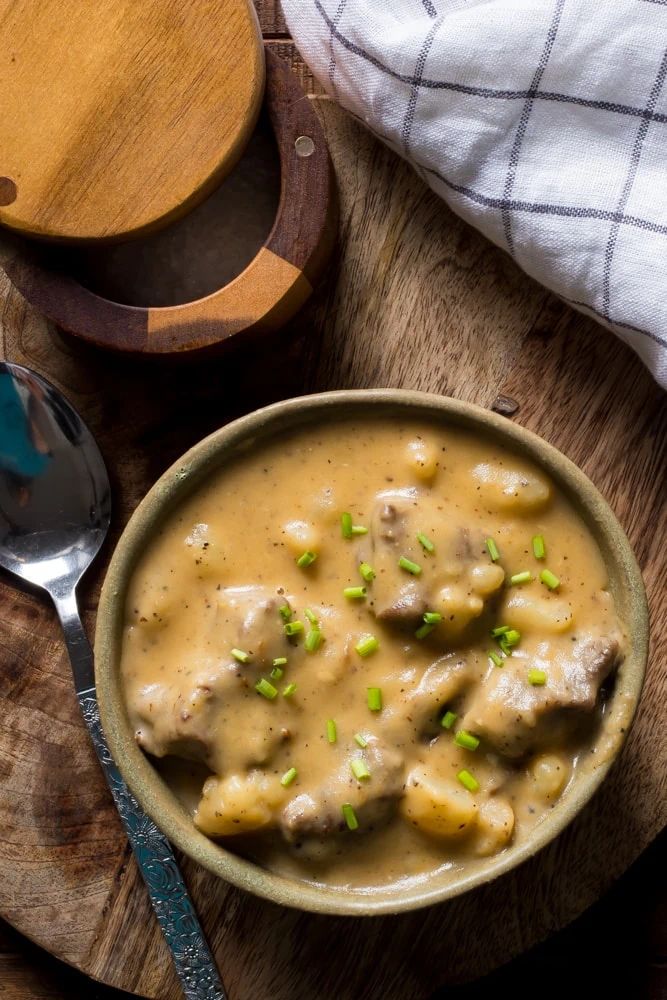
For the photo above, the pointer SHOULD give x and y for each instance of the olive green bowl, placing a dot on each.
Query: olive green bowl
(211, 454)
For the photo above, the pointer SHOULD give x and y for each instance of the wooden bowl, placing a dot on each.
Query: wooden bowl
(266, 294)
(213, 452)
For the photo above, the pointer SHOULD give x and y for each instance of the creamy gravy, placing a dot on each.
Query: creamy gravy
(450, 519)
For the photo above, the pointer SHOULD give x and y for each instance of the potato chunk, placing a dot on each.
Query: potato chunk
(422, 459)
(549, 773)
(542, 614)
(438, 807)
(515, 490)
(237, 804)
(495, 826)
(300, 536)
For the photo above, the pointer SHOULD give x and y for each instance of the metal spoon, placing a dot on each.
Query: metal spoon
(55, 506)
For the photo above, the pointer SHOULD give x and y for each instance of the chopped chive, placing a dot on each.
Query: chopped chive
(266, 689)
(313, 640)
(241, 655)
(285, 612)
(507, 650)
(350, 817)
(493, 550)
(466, 740)
(359, 529)
(495, 657)
(524, 577)
(512, 637)
(354, 593)
(539, 548)
(306, 558)
(310, 616)
(276, 673)
(289, 690)
(448, 720)
(367, 571)
(425, 542)
(293, 628)
(374, 696)
(360, 741)
(424, 630)
(367, 644)
(359, 769)
(432, 617)
(332, 732)
(346, 525)
(500, 630)
(467, 780)
(549, 579)
(279, 661)
(537, 677)
(288, 777)
(409, 566)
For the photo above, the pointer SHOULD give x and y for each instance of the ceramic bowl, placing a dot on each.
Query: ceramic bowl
(212, 453)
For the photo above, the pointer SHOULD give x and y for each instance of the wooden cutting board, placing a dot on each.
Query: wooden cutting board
(118, 115)
(417, 299)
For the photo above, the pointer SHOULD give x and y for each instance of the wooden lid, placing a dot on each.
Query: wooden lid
(118, 115)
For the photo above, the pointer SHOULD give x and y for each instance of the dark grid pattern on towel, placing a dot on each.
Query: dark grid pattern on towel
(542, 122)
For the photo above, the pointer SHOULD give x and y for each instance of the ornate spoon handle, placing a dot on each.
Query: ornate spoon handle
(168, 893)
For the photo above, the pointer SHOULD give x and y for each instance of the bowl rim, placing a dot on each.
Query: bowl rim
(208, 455)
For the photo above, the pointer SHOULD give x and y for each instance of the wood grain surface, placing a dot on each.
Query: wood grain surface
(117, 115)
(415, 299)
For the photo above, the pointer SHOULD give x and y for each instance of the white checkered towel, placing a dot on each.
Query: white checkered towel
(542, 122)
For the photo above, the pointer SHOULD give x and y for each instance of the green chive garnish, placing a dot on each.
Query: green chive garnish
(495, 657)
(374, 696)
(310, 616)
(549, 579)
(293, 628)
(524, 577)
(512, 637)
(360, 741)
(313, 640)
(266, 689)
(285, 612)
(241, 655)
(539, 548)
(306, 558)
(359, 769)
(537, 677)
(409, 566)
(359, 529)
(332, 732)
(354, 593)
(367, 572)
(277, 673)
(500, 630)
(466, 740)
(424, 630)
(279, 661)
(493, 550)
(448, 720)
(289, 690)
(350, 817)
(467, 780)
(367, 644)
(425, 542)
(432, 617)
(346, 525)
(288, 777)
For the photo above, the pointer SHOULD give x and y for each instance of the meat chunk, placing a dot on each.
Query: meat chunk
(317, 815)
(397, 596)
(515, 717)
(249, 618)
(456, 579)
(440, 684)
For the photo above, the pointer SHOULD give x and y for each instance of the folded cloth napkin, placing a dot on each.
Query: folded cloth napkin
(541, 122)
